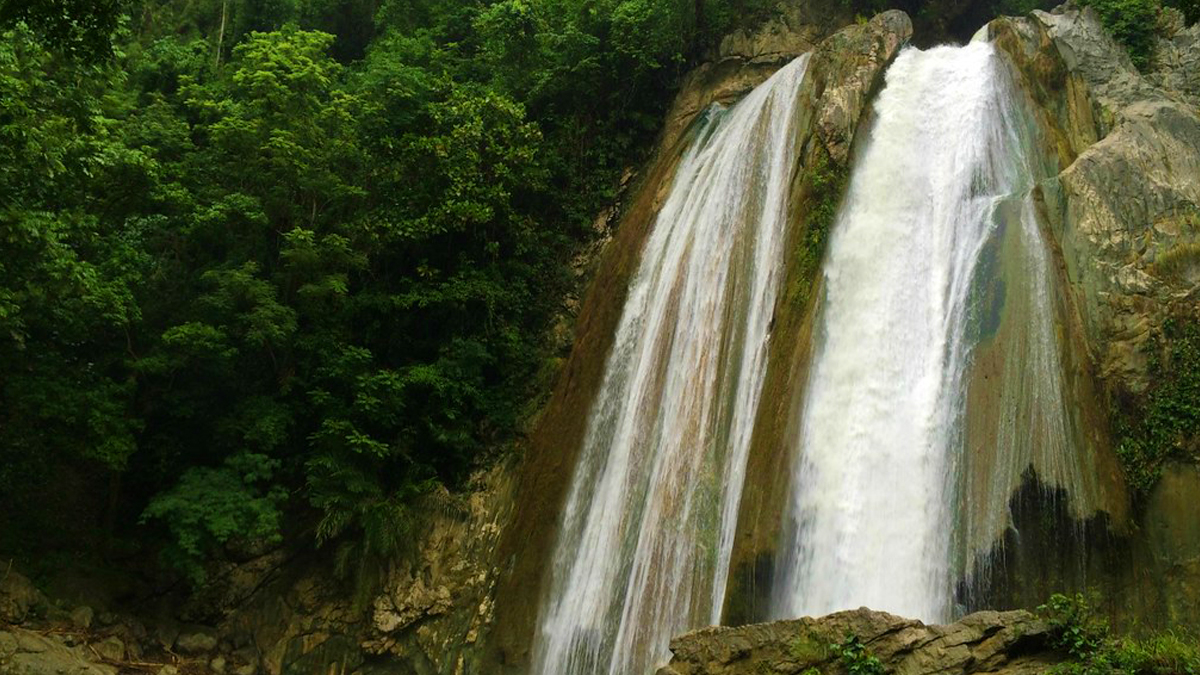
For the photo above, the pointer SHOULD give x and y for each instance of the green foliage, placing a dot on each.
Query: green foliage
(208, 508)
(855, 656)
(80, 28)
(1132, 22)
(303, 247)
(1163, 425)
(1182, 261)
(1091, 649)
(1077, 629)
(825, 184)
(1190, 9)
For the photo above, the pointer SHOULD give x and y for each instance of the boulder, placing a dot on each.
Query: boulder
(110, 648)
(196, 642)
(1010, 643)
(83, 616)
(27, 653)
(18, 596)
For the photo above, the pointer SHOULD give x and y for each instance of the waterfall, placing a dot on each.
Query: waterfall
(893, 497)
(646, 535)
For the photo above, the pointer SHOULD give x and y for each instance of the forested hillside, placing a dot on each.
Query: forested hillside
(288, 266)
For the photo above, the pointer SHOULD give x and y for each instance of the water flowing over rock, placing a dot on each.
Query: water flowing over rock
(1128, 191)
(937, 252)
(828, 117)
(649, 521)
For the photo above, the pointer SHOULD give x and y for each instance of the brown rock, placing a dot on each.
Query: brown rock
(17, 595)
(994, 642)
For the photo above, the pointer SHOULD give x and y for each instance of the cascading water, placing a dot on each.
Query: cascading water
(879, 515)
(647, 532)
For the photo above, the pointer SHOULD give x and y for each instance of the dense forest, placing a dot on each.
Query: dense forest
(288, 268)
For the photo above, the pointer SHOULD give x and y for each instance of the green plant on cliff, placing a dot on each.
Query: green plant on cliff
(1164, 424)
(855, 657)
(808, 648)
(825, 185)
(1132, 22)
(1091, 649)
(1190, 9)
(209, 508)
(1077, 629)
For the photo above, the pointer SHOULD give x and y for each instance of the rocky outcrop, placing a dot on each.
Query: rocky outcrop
(1012, 643)
(1177, 57)
(17, 596)
(1122, 203)
(24, 652)
(1127, 198)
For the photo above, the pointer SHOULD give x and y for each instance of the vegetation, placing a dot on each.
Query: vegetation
(1132, 22)
(808, 648)
(1189, 8)
(289, 266)
(856, 658)
(1161, 425)
(823, 188)
(1093, 650)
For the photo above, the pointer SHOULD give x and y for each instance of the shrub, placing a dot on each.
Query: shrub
(1190, 9)
(856, 658)
(1163, 426)
(1132, 23)
(209, 508)
(1086, 638)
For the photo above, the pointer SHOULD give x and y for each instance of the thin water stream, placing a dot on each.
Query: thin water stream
(646, 536)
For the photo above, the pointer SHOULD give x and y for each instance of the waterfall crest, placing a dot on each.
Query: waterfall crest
(646, 535)
(890, 503)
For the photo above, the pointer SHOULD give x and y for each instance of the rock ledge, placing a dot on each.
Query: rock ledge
(1011, 643)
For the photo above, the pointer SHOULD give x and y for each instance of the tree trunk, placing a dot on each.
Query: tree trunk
(221, 34)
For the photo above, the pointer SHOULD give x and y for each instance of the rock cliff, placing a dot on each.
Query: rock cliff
(1122, 206)
(1127, 196)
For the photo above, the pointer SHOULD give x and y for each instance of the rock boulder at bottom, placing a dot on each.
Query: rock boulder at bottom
(1011, 643)
(25, 652)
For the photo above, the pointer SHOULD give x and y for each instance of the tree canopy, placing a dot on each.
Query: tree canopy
(290, 265)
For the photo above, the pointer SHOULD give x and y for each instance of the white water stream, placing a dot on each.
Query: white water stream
(644, 548)
(880, 494)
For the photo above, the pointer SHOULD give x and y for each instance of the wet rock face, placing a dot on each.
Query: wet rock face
(1122, 206)
(1128, 191)
(843, 74)
(994, 642)
(846, 70)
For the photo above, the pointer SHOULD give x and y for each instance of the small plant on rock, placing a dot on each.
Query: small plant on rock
(855, 656)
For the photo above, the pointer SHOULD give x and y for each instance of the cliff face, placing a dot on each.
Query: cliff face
(1128, 191)
(844, 72)
(1122, 207)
